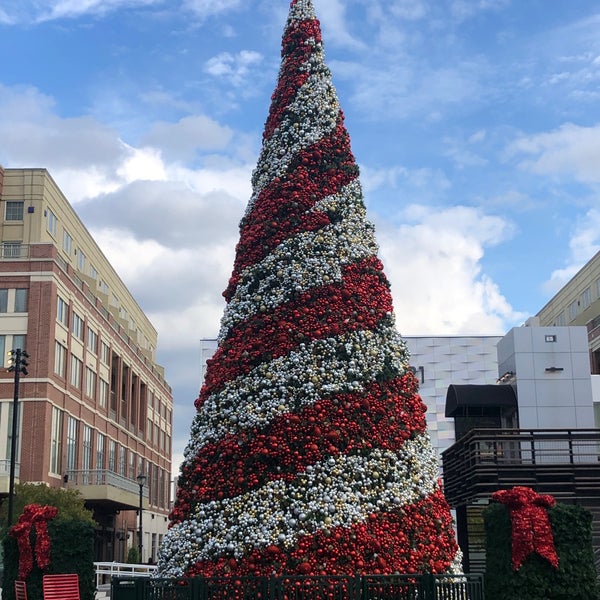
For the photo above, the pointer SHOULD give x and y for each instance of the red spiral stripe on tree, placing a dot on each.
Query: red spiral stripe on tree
(295, 51)
(280, 211)
(416, 537)
(383, 416)
(360, 301)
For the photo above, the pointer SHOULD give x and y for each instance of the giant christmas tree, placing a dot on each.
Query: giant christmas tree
(308, 452)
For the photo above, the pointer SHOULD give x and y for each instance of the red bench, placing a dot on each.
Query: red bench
(20, 590)
(61, 587)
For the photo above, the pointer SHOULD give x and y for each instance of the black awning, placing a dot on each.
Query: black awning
(459, 398)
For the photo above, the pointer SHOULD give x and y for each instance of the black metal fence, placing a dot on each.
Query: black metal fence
(371, 587)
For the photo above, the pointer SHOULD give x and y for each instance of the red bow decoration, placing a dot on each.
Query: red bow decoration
(531, 529)
(36, 516)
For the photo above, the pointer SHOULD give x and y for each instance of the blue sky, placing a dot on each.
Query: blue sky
(476, 124)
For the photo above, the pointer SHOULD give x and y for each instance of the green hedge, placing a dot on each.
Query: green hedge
(71, 551)
(575, 578)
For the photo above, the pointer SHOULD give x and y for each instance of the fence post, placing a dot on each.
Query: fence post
(428, 586)
(272, 594)
(197, 588)
(357, 587)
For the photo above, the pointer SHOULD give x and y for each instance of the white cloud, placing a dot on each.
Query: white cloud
(208, 8)
(462, 155)
(32, 134)
(571, 150)
(33, 11)
(145, 164)
(4, 18)
(180, 141)
(465, 9)
(234, 68)
(410, 10)
(404, 89)
(584, 244)
(76, 8)
(332, 15)
(426, 183)
(434, 265)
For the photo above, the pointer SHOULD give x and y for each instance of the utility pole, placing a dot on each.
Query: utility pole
(18, 364)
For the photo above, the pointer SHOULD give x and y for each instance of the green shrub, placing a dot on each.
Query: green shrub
(133, 556)
(537, 579)
(71, 535)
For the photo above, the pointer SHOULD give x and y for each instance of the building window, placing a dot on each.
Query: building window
(13, 211)
(131, 474)
(71, 444)
(90, 383)
(51, 222)
(67, 242)
(11, 249)
(21, 300)
(18, 302)
(100, 444)
(154, 548)
(86, 455)
(573, 309)
(103, 288)
(75, 375)
(56, 441)
(92, 341)
(62, 312)
(60, 359)
(561, 320)
(77, 326)
(2, 350)
(93, 272)
(112, 456)
(104, 353)
(586, 298)
(103, 393)
(122, 460)
(19, 341)
(80, 260)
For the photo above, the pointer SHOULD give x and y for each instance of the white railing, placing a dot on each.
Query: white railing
(106, 570)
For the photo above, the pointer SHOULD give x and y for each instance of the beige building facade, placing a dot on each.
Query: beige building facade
(578, 303)
(95, 410)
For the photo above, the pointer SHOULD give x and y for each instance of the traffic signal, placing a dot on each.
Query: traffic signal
(18, 361)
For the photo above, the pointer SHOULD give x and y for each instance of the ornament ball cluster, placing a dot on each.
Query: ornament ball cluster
(308, 453)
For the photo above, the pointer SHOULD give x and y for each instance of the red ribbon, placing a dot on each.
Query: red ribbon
(33, 516)
(531, 529)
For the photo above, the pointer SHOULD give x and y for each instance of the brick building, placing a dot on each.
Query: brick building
(95, 410)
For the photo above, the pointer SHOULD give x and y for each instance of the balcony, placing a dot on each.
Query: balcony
(101, 487)
(5, 476)
(564, 463)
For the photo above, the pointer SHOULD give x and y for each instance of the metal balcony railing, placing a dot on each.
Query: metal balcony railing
(5, 468)
(105, 477)
(554, 461)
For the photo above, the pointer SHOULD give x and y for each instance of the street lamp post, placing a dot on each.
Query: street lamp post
(141, 479)
(18, 364)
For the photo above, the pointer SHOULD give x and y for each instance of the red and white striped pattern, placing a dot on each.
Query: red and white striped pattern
(309, 452)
